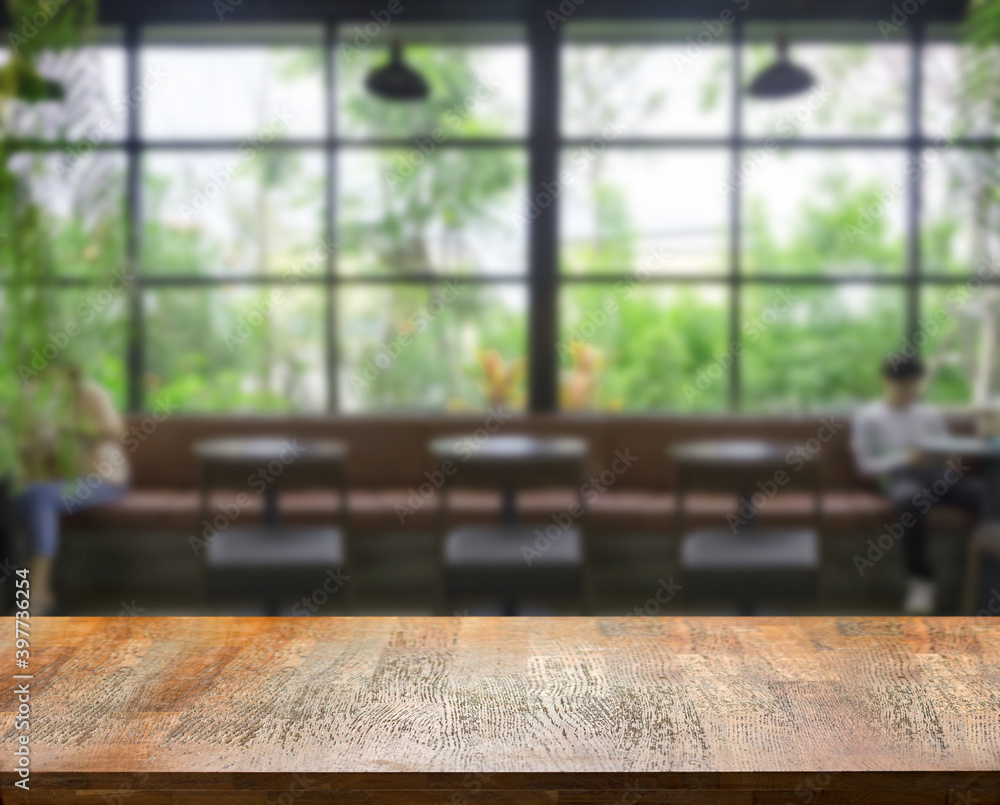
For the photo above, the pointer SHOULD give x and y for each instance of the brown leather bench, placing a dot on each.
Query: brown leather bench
(389, 462)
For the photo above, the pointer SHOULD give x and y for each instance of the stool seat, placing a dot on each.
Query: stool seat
(276, 548)
(506, 547)
(753, 564)
(767, 549)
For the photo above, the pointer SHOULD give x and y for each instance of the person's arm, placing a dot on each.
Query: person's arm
(871, 461)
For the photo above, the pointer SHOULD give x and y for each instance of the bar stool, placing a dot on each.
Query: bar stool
(510, 559)
(268, 559)
(985, 541)
(745, 561)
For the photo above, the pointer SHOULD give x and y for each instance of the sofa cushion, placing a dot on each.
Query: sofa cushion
(143, 509)
(393, 509)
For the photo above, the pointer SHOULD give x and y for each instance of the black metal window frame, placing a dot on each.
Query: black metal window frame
(543, 144)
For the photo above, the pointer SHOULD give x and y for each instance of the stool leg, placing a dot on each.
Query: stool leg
(510, 605)
(586, 591)
(973, 567)
(822, 577)
(446, 601)
(348, 588)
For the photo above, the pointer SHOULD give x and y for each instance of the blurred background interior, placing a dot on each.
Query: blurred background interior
(496, 307)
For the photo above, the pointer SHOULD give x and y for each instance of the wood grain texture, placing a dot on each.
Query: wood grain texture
(583, 710)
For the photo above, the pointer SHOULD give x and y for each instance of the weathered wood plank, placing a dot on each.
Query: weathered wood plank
(583, 710)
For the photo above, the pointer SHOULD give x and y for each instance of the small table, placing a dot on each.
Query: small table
(508, 462)
(744, 462)
(984, 451)
(746, 452)
(274, 460)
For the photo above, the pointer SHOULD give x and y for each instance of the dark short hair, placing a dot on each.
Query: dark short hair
(900, 367)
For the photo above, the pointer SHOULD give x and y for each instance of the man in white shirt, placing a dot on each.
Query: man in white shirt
(885, 441)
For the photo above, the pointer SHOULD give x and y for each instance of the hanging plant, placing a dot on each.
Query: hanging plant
(40, 25)
(980, 104)
(27, 269)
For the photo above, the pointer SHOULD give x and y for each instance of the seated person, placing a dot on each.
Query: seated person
(64, 409)
(885, 438)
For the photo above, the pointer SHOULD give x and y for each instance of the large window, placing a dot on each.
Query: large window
(720, 251)
(290, 242)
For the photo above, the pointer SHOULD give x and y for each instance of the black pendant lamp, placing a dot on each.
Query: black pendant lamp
(782, 79)
(397, 81)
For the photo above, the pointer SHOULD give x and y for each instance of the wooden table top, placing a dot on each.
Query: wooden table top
(752, 452)
(533, 704)
(964, 446)
(261, 449)
(509, 448)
